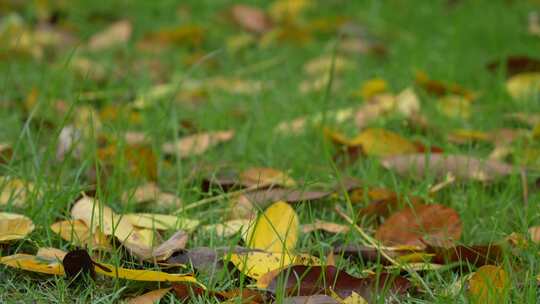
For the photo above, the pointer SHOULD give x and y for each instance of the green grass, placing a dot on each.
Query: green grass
(451, 43)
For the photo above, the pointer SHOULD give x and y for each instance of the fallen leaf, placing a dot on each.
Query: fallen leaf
(196, 144)
(515, 65)
(321, 65)
(150, 297)
(78, 233)
(229, 228)
(264, 177)
(51, 253)
(251, 18)
(175, 243)
(288, 10)
(33, 263)
(372, 87)
(310, 280)
(256, 264)
(489, 284)
(185, 35)
(325, 226)
(381, 201)
(6, 151)
(100, 217)
(454, 106)
(14, 227)
(531, 119)
(161, 221)
(478, 255)
(116, 34)
(438, 88)
(373, 255)
(16, 191)
(205, 259)
(460, 166)
(534, 233)
(314, 299)
(376, 142)
(534, 24)
(69, 143)
(150, 192)
(276, 230)
(434, 224)
(139, 160)
(524, 85)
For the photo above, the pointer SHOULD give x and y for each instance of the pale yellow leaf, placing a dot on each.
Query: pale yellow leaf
(455, 106)
(196, 144)
(16, 191)
(263, 177)
(161, 221)
(33, 263)
(116, 34)
(229, 228)
(523, 85)
(256, 264)
(276, 230)
(78, 233)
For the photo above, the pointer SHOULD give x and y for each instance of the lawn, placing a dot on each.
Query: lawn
(69, 98)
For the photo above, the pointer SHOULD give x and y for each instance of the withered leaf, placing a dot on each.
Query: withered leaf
(196, 144)
(310, 280)
(314, 299)
(433, 224)
(489, 285)
(439, 88)
(460, 166)
(477, 255)
(150, 297)
(251, 18)
(117, 33)
(515, 64)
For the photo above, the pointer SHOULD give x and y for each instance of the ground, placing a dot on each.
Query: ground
(451, 41)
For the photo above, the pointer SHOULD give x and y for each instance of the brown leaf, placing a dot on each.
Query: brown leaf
(264, 177)
(325, 226)
(439, 88)
(460, 166)
(186, 35)
(117, 33)
(311, 280)
(381, 201)
(515, 65)
(372, 254)
(196, 144)
(251, 18)
(434, 224)
(477, 255)
(175, 243)
(151, 192)
(150, 297)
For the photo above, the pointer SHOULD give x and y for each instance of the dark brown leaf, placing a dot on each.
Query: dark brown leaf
(312, 280)
(515, 65)
(477, 255)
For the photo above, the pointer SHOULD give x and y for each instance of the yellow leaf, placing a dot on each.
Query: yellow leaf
(150, 297)
(372, 87)
(14, 226)
(322, 65)
(143, 274)
(33, 263)
(161, 221)
(287, 9)
(276, 230)
(454, 106)
(523, 85)
(117, 33)
(256, 264)
(263, 177)
(376, 142)
(463, 136)
(489, 284)
(354, 298)
(407, 102)
(325, 226)
(78, 233)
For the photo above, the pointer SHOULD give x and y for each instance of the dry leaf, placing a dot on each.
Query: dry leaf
(285, 10)
(460, 166)
(142, 274)
(325, 226)
(489, 284)
(69, 143)
(251, 18)
(140, 160)
(298, 125)
(150, 192)
(6, 151)
(78, 233)
(373, 87)
(229, 228)
(33, 263)
(16, 191)
(150, 297)
(524, 85)
(276, 230)
(99, 217)
(376, 142)
(441, 89)
(455, 106)
(116, 34)
(264, 177)
(196, 144)
(516, 65)
(256, 264)
(161, 221)
(314, 299)
(185, 35)
(433, 224)
(321, 65)
(14, 227)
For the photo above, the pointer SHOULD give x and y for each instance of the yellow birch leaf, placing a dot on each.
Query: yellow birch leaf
(14, 226)
(143, 274)
(455, 106)
(256, 264)
(372, 87)
(276, 230)
(376, 142)
(489, 284)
